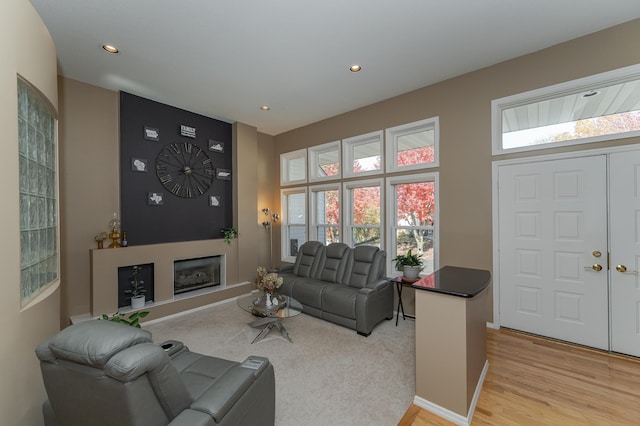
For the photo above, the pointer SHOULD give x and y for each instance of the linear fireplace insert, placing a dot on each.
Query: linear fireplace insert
(197, 273)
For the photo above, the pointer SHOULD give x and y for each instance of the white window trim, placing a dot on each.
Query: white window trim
(348, 145)
(347, 208)
(284, 225)
(578, 85)
(284, 166)
(314, 152)
(391, 138)
(313, 219)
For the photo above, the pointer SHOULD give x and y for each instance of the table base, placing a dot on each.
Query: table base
(268, 324)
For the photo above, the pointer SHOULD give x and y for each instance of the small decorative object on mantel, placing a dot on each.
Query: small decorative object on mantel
(133, 319)
(137, 289)
(268, 282)
(100, 239)
(229, 234)
(114, 234)
(410, 264)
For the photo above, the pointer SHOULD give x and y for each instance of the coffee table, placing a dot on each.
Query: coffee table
(270, 316)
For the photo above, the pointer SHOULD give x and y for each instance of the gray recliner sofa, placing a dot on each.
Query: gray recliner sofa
(340, 284)
(105, 373)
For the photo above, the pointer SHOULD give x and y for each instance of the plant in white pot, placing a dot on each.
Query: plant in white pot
(410, 264)
(137, 289)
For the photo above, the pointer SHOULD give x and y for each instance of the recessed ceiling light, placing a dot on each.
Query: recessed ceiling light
(355, 68)
(265, 108)
(110, 48)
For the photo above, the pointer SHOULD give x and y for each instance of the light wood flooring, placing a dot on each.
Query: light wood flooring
(537, 381)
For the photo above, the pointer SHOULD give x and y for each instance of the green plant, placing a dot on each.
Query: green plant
(137, 284)
(132, 320)
(229, 234)
(408, 259)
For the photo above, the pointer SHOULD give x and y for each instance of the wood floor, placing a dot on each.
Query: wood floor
(535, 381)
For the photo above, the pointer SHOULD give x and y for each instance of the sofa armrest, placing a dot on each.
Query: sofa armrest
(285, 267)
(377, 285)
(193, 418)
(229, 388)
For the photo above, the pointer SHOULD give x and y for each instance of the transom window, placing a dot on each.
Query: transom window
(363, 155)
(412, 146)
(293, 167)
(324, 162)
(593, 109)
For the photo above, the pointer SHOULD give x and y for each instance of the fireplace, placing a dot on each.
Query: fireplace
(197, 273)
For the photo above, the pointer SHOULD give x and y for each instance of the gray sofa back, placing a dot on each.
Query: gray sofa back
(308, 259)
(364, 265)
(333, 262)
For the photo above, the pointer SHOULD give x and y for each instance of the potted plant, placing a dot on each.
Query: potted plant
(410, 264)
(229, 234)
(132, 320)
(137, 289)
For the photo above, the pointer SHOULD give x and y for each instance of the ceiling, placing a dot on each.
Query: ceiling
(227, 58)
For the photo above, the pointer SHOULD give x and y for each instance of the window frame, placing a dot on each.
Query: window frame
(392, 211)
(313, 163)
(314, 224)
(347, 208)
(284, 224)
(349, 144)
(391, 143)
(574, 86)
(285, 160)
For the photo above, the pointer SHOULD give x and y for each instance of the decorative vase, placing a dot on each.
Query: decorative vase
(137, 302)
(411, 272)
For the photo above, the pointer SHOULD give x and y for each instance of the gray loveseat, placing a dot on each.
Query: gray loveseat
(104, 373)
(340, 284)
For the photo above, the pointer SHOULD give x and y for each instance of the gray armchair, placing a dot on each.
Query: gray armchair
(106, 373)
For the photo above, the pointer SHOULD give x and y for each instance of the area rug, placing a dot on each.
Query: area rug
(329, 375)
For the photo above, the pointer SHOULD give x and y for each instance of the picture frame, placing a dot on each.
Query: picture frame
(216, 146)
(152, 133)
(215, 200)
(155, 198)
(223, 174)
(139, 165)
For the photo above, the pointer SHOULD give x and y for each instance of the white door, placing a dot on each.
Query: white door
(553, 249)
(624, 212)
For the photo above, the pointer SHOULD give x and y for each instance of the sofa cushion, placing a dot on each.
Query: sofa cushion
(365, 266)
(308, 258)
(333, 263)
(308, 291)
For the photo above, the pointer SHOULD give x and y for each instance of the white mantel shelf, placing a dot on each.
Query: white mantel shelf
(105, 264)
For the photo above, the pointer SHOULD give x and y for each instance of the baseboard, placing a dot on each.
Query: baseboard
(450, 415)
(493, 325)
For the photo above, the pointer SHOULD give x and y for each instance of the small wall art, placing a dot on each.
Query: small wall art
(215, 200)
(155, 198)
(151, 133)
(187, 131)
(223, 174)
(216, 146)
(139, 164)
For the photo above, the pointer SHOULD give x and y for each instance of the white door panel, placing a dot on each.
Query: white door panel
(553, 217)
(624, 193)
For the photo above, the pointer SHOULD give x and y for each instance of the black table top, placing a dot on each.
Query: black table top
(455, 281)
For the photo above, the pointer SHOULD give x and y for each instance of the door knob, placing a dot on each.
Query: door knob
(594, 267)
(621, 268)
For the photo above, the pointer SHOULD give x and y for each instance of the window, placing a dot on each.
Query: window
(293, 167)
(363, 213)
(362, 155)
(39, 231)
(413, 211)
(412, 146)
(325, 213)
(324, 162)
(294, 221)
(592, 109)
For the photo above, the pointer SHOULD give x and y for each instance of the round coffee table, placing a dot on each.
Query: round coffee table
(270, 316)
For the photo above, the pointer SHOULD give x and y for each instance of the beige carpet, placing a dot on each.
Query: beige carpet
(329, 375)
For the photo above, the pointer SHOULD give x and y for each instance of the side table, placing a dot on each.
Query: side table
(399, 280)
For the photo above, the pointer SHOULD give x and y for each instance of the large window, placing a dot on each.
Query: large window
(592, 109)
(412, 213)
(294, 221)
(363, 212)
(325, 213)
(37, 149)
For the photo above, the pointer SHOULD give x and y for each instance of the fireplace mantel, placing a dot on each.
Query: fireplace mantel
(104, 275)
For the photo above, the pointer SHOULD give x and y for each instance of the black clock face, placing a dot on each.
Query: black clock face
(184, 169)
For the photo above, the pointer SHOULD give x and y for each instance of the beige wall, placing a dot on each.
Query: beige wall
(29, 51)
(464, 107)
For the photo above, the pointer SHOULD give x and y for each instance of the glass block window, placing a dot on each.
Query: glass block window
(37, 152)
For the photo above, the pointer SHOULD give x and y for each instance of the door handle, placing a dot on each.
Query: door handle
(623, 269)
(594, 267)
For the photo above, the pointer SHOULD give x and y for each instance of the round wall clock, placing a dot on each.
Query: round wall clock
(184, 169)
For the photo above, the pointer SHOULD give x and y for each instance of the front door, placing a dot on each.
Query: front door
(553, 249)
(624, 214)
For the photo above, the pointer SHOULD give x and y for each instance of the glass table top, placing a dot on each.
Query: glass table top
(255, 304)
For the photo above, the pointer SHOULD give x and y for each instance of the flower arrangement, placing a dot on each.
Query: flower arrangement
(267, 281)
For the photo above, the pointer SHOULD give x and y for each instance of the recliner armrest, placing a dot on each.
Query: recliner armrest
(228, 389)
(378, 284)
(285, 267)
